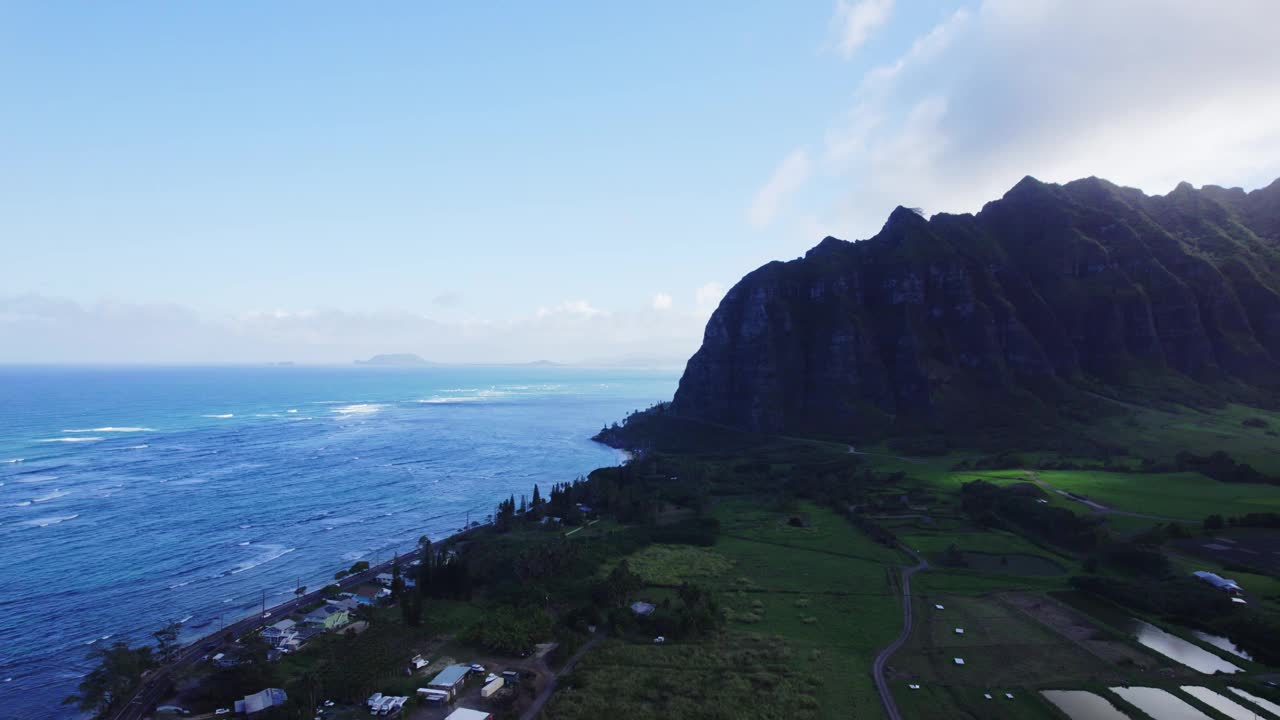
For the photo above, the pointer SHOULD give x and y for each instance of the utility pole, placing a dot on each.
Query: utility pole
(264, 601)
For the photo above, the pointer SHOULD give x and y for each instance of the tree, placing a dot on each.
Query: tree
(1213, 522)
(166, 642)
(113, 682)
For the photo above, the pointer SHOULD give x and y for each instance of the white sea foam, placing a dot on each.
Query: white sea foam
(185, 619)
(223, 416)
(33, 479)
(52, 520)
(251, 564)
(291, 411)
(14, 460)
(246, 542)
(184, 583)
(24, 503)
(144, 446)
(110, 429)
(357, 409)
(52, 496)
(70, 439)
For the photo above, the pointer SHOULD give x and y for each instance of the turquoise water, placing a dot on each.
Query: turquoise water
(133, 497)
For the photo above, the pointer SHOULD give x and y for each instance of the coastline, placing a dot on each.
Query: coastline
(153, 686)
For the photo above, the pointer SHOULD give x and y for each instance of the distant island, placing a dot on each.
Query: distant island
(394, 359)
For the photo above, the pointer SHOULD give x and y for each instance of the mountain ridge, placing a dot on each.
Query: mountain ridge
(1018, 314)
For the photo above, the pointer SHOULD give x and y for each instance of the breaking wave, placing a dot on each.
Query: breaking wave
(110, 429)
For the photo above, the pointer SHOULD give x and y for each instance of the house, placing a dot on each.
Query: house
(328, 617)
(260, 701)
(417, 664)
(450, 679)
(350, 604)
(469, 714)
(384, 579)
(279, 633)
(1230, 587)
(370, 594)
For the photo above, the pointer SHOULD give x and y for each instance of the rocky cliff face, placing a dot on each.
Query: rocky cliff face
(965, 321)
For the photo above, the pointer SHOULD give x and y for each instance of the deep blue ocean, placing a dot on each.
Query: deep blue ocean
(134, 497)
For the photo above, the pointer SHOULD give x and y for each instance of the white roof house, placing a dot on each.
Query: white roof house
(1218, 581)
(261, 700)
(469, 714)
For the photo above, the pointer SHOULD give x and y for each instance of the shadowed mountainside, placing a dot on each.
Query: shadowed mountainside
(1019, 318)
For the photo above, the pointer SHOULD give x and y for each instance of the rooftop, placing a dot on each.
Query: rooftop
(450, 676)
(468, 714)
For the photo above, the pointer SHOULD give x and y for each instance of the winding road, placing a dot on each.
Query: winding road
(877, 670)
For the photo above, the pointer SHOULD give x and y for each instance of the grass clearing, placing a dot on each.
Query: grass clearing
(674, 564)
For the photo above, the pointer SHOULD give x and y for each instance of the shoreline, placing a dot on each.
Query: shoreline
(149, 692)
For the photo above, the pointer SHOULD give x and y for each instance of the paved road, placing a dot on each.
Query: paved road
(532, 712)
(1097, 507)
(156, 685)
(877, 670)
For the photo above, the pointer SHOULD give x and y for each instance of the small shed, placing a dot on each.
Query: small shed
(959, 661)
(450, 679)
(494, 686)
(469, 714)
(642, 608)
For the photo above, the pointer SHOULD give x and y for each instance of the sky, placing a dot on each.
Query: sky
(507, 182)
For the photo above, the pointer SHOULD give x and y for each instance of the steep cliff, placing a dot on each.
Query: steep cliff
(1047, 297)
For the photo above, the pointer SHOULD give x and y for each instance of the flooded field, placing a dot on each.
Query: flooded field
(1263, 703)
(1222, 643)
(1083, 705)
(1159, 704)
(1227, 707)
(1175, 648)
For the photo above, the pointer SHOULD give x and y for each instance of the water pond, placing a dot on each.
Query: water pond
(1159, 704)
(1222, 643)
(1083, 705)
(1227, 707)
(1263, 703)
(1175, 648)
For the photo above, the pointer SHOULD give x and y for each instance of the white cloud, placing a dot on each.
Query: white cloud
(854, 22)
(790, 175)
(708, 296)
(662, 301)
(35, 328)
(577, 308)
(1144, 93)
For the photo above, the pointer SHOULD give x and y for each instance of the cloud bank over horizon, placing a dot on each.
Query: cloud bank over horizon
(40, 329)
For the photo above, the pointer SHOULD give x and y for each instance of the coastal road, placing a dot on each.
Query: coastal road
(877, 670)
(155, 685)
(532, 711)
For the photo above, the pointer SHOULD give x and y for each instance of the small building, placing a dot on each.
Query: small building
(350, 604)
(328, 617)
(417, 663)
(279, 633)
(1230, 587)
(959, 661)
(384, 579)
(642, 608)
(469, 714)
(261, 700)
(450, 679)
(370, 594)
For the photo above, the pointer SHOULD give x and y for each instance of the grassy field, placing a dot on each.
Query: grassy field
(1187, 496)
(808, 604)
(734, 676)
(1161, 434)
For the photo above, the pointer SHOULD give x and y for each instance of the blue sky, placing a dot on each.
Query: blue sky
(319, 181)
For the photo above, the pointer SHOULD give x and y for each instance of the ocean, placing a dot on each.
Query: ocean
(135, 497)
